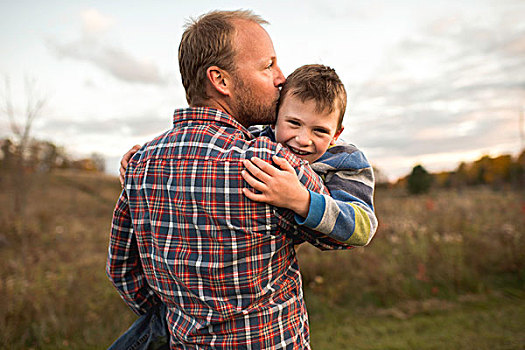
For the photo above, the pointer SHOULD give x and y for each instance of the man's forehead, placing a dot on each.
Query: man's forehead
(250, 36)
(244, 26)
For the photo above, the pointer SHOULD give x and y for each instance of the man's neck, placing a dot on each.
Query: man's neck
(220, 105)
(211, 103)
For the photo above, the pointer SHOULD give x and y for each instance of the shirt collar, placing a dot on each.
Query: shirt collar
(207, 114)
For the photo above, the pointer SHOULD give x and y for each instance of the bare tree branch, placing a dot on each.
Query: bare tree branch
(21, 122)
(8, 110)
(21, 125)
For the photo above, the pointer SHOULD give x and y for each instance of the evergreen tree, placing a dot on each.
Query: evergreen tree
(419, 180)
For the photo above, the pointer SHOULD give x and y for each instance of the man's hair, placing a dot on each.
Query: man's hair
(318, 83)
(208, 41)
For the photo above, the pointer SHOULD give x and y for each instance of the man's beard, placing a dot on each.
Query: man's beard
(249, 110)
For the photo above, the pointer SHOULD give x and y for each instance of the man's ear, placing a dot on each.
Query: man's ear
(219, 80)
(336, 135)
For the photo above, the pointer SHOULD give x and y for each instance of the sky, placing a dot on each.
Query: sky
(429, 82)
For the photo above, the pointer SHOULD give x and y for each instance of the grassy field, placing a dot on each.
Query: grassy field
(472, 322)
(445, 271)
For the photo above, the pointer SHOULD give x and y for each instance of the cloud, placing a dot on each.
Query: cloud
(444, 71)
(347, 11)
(143, 124)
(92, 48)
(455, 86)
(94, 22)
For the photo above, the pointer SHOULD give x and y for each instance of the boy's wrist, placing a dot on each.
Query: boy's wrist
(301, 205)
(315, 212)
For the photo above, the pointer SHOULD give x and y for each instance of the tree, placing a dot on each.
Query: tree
(98, 161)
(517, 171)
(21, 122)
(419, 180)
(461, 176)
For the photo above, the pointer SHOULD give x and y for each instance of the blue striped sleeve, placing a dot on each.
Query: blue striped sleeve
(348, 214)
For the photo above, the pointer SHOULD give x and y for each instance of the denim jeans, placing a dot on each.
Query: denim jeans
(148, 332)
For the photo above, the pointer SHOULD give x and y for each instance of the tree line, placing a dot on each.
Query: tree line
(43, 156)
(25, 165)
(497, 172)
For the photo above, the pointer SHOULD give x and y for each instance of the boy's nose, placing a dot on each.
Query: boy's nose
(303, 140)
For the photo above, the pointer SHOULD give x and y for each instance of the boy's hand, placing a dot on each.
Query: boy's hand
(124, 162)
(278, 187)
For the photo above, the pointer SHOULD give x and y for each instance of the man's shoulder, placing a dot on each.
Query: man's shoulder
(213, 140)
(267, 147)
(261, 130)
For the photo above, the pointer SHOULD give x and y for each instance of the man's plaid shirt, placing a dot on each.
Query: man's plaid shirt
(183, 233)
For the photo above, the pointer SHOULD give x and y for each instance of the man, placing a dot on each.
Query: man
(183, 232)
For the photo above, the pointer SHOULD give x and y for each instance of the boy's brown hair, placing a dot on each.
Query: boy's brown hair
(318, 83)
(208, 41)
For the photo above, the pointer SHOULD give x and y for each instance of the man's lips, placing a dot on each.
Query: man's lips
(298, 151)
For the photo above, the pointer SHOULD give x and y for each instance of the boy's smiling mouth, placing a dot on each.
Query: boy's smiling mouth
(298, 151)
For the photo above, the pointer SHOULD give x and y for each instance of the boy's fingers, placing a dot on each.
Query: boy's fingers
(121, 178)
(283, 164)
(124, 162)
(122, 170)
(132, 151)
(127, 156)
(256, 171)
(252, 181)
(264, 166)
(252, 195)
(123, 166)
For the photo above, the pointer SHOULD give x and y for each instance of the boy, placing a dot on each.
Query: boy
(309, 122)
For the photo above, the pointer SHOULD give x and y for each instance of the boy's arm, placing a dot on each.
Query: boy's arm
(348, 214)
(305, 177)
(123, 266)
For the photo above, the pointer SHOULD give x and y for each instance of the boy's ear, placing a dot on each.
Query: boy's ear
(219, 80)
(336, 135)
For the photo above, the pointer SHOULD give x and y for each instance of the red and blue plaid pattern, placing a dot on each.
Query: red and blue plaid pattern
(183, 233)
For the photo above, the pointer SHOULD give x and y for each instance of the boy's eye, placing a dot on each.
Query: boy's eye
(321, 131)
(293, 122)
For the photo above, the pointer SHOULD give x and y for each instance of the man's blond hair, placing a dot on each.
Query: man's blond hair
(208, 41)
(318, 83)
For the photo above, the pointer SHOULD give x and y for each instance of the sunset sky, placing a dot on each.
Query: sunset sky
(430, 82)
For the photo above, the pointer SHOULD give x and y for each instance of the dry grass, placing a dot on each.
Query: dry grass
(443, 245)
(54, 292)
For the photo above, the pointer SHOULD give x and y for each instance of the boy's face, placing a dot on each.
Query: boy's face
(306, 133)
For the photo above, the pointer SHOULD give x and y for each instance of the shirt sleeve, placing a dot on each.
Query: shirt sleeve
(348, 214)
(123, 266)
